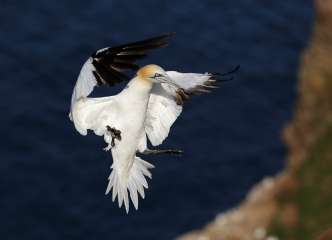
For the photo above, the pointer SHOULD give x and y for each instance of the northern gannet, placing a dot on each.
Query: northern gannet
(147, 107)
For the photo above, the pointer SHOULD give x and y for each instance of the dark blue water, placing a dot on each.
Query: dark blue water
(52, 180)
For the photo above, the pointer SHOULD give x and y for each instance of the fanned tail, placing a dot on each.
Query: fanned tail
(132, 182)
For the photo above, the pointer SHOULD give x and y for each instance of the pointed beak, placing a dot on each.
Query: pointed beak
(170, 81)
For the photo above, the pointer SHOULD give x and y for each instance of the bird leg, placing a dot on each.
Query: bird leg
(162, 151)
(115, 134)
(181, 96)
(106, 149)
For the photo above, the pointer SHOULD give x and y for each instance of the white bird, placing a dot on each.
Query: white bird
(147, 107)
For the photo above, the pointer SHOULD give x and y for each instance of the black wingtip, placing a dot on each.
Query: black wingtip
(168, 36)
(148, 44)
(165, 35)
(237, 68)
(225, 77)
(110, 62)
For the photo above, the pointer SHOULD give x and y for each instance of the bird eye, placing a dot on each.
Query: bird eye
(157, 75)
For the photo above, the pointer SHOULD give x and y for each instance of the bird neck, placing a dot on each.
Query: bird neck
(139, 87)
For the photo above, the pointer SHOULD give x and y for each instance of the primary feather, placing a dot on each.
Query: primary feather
(145, 108)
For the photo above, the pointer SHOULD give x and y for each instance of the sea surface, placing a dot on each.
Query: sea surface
(52, 180)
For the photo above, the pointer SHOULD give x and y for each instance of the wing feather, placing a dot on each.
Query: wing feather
(194, 83)
(165, 103)
(93, 114)
(106, 66)
(161, 114)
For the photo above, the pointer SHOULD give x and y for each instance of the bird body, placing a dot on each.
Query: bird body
(126, 110)
(145, 109)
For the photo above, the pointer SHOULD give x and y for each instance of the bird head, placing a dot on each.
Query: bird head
(155, 74)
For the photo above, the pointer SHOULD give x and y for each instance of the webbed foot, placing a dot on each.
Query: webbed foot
(115, 134)
(162, 151)
(106, 149)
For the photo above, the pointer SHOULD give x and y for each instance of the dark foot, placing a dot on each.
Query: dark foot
(159, 151)
(115, 134)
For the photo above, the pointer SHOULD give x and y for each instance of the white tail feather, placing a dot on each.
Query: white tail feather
(133, 182)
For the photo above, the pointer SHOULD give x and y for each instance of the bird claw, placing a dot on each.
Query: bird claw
(176, 152)
(163, 151)
(115, 134)
(106, 149)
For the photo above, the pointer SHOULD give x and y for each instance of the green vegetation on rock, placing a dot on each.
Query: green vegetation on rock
(313, 195)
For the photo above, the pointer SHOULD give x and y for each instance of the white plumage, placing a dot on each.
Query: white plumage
(147, 107)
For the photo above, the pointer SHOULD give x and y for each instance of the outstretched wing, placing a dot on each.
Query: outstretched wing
(165, 103)
(106, 66)
(190, 84)
(161, 114)
(196, 83)
(94, 114)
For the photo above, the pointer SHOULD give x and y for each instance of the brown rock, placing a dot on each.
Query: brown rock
(289, 215)
(324, 8)
(274, 200)
(326, 235)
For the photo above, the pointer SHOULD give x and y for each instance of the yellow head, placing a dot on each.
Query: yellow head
(148, 72)
(155, 74)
